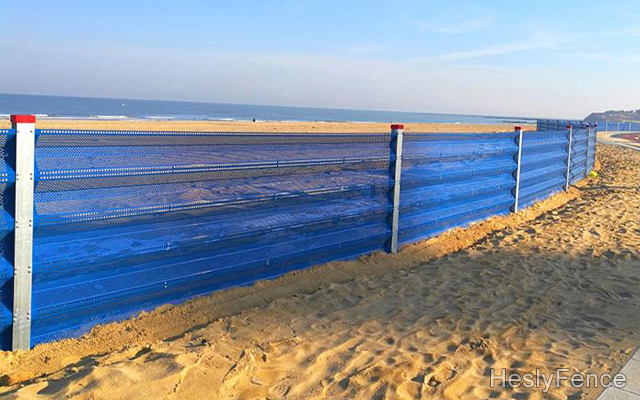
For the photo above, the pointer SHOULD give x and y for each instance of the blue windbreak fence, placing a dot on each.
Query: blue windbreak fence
(450, 180)
(544, 158)
(127, 221)
(614, 126)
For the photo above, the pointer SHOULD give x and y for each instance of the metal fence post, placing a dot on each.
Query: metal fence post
(518, 169)
(570, 135)
(595, 148)
(25, 126)
(397, 134)
(606, 125)
(586, 171)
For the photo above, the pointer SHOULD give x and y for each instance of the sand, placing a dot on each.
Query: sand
(233, 126)
(556, 285)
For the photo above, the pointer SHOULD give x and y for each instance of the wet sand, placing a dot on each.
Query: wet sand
(556, 285)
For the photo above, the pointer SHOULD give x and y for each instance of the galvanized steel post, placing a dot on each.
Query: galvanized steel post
(397, 134)
(570, 135)
(25, 126)
(518, 168)
(586, 169)
(595, 140)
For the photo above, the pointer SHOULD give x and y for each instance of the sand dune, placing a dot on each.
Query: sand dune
(554, 286)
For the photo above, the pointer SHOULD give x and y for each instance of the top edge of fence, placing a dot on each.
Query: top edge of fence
(209, 133)
(561, 120)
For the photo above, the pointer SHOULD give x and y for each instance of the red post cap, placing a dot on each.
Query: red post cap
(23, 119)
(518, 128)
(569, 126)
(397, 126)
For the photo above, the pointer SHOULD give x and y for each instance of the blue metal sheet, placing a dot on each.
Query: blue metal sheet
(613, 126)
(451, 180)
(544, 164)
(131, 220)
(548, 172)
(127, 221)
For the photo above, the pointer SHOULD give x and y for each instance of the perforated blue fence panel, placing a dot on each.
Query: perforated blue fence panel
(127, 221)
(555, 124)
(579, 155)
(612, 126)
(544, 158)
(544, 165)
(591, 151)
(7, 225)
(450, 180)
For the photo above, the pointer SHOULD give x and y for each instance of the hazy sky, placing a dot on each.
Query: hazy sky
(531, 58)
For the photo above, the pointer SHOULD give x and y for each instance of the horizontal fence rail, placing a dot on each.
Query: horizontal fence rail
(127, 221)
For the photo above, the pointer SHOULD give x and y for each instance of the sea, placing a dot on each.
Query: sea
(64, 107)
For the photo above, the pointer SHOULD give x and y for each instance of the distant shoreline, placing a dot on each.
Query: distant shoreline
(61, 107)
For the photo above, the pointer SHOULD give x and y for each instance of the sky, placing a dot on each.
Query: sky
(542, 58)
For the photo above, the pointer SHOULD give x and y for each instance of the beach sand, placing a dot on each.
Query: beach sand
(261, 126)
(556, 285)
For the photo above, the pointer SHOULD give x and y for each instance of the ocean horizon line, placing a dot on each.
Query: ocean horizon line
(96, 108)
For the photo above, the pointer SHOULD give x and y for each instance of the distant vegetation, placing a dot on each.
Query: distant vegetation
(612, 115)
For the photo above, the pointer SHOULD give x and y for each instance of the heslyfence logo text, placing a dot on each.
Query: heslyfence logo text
(546, 381)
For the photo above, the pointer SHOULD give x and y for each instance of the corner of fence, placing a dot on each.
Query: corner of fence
(25, 129)
(395, 169)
